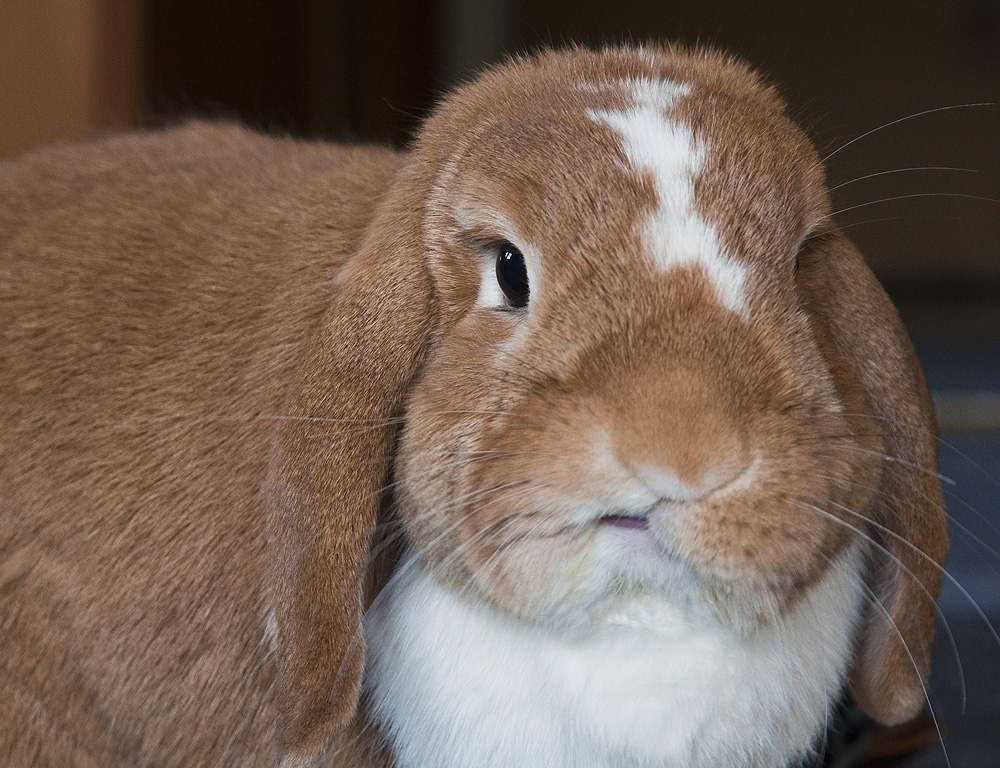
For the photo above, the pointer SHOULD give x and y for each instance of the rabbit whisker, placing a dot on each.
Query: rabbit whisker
(412, 558)
(902, 539)
(881, 219)
(904, 119)
(482, 533)
(890, 457)
(387, 537)
(839, 436)
(864, 536)
(873, 600)
(952, 519)
(902, 170)
(941, 441)
(416, 519)
(481, 457)
(913, 195)
(485, 571)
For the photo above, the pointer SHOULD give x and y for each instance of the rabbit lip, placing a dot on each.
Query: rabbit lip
(631, 522)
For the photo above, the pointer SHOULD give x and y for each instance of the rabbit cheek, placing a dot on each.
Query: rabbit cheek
(446, 513)
(759, 540)
(782, 524)
(472, 484)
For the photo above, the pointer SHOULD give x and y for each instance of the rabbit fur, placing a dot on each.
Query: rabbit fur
(289, 478)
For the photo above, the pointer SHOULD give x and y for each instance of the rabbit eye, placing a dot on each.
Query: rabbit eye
(512, 276)
(796, 259)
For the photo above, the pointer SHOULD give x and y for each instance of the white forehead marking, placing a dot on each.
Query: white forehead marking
(675, 235)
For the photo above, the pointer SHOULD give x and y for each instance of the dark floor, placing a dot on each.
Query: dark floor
(971, 733)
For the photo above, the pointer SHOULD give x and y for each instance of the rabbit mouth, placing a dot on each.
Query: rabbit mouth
(629, 522)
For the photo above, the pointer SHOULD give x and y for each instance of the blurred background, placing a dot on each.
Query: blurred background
(902, 97)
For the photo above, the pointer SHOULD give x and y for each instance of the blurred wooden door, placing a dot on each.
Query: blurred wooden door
(68, 69)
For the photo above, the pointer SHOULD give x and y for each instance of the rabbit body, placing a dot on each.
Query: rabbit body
(566, 437)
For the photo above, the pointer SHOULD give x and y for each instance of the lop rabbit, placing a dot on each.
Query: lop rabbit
(576, 435)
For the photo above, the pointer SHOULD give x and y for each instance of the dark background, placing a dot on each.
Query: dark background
(368, 71)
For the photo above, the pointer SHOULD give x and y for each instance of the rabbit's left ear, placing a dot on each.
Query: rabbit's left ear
(328, 465)
(864, 335)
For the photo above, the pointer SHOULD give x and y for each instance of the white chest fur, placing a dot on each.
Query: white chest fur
(458, 685)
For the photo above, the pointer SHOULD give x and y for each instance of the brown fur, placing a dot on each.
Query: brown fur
(157, 292)
(210, 338)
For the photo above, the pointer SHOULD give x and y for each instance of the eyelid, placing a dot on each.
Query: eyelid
(484, 239)
(480, 221)
(486, 242)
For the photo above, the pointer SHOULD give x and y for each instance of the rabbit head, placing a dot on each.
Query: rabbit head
(603, 337)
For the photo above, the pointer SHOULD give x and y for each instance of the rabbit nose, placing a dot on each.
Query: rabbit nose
(665, 482)
(681, 435)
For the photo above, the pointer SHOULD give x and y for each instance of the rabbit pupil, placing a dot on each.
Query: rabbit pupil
(512, 276)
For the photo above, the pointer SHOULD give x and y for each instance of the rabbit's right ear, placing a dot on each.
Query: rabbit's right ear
(907, 522)
(329, 461)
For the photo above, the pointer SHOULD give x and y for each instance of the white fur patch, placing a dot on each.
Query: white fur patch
(675, 235)
(456, 684)
(490, 296)
(271, 631)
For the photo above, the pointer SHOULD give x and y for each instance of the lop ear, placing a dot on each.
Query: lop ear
(329, 461)
(892, 657)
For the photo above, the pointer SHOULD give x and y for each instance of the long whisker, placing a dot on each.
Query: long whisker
(937, 609)
(930, 560)
(471, 457)
(904, 119)
(881, 219)
(971, 463)
(315, 419)
(914, 195)
(889, 420)
(464, 498)
(388, 539)
(902, 170)
(493, 560)
(906, 542)
(495, 528)
(412, 559)
(944, 443)
(890, 457)
(491, 563)
(878, 603)
(951, 518)
(436, 511)
(249, 418)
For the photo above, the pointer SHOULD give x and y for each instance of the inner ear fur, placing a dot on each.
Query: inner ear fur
(329, 461)
(892, 654)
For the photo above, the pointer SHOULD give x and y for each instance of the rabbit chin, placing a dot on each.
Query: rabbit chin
(453, 682)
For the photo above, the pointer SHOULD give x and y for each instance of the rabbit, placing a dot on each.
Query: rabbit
(577, 434)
